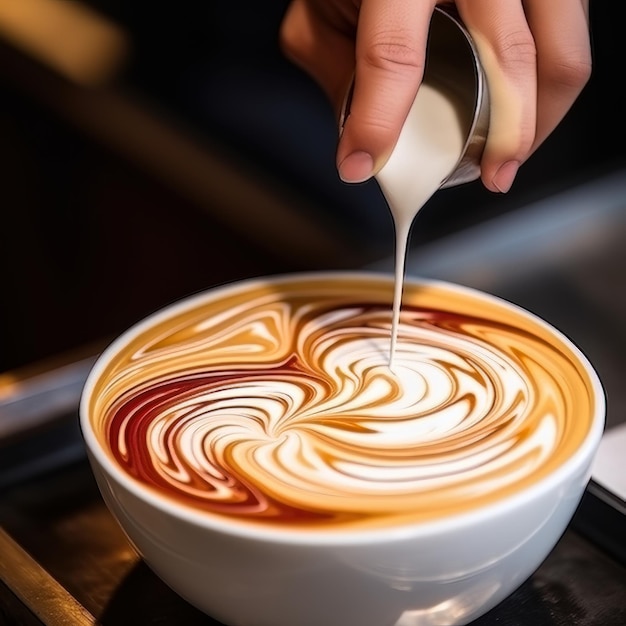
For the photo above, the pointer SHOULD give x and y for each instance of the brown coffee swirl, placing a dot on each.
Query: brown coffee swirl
(273, 403)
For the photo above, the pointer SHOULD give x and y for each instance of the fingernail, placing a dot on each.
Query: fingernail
(356, 167)
(503, 180)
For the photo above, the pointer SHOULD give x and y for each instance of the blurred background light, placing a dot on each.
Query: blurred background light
(69, 37)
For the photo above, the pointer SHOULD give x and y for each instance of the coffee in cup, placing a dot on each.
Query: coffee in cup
(263, 416)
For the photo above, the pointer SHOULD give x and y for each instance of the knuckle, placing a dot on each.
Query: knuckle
(295, 31)
(374, 123)
(517, 49)
(570, 71)
(286, 41)
(394, 51)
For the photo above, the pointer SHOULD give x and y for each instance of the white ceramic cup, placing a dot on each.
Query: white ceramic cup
(447, 570)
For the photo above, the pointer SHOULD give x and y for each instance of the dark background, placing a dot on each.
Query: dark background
(207, 158)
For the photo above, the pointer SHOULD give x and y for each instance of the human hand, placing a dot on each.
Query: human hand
(536, 55)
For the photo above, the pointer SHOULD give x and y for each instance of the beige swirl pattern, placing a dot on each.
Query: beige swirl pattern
(274, 404)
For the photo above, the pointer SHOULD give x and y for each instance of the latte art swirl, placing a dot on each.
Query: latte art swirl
(279, 407)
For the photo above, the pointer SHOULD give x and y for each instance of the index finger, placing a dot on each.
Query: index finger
(390, 59)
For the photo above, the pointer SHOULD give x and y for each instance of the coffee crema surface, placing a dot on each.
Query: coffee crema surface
(271, 402)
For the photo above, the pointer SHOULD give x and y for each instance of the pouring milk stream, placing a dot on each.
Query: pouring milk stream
(429, 147)
(442, 139)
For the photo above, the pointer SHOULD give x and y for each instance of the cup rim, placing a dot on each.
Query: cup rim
(350, 535)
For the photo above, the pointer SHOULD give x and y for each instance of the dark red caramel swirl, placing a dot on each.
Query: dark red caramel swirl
(274, 404)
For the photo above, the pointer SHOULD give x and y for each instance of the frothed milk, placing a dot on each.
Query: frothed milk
(430, 145)
(270, 403)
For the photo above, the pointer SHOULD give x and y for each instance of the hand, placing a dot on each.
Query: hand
(536, 55)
